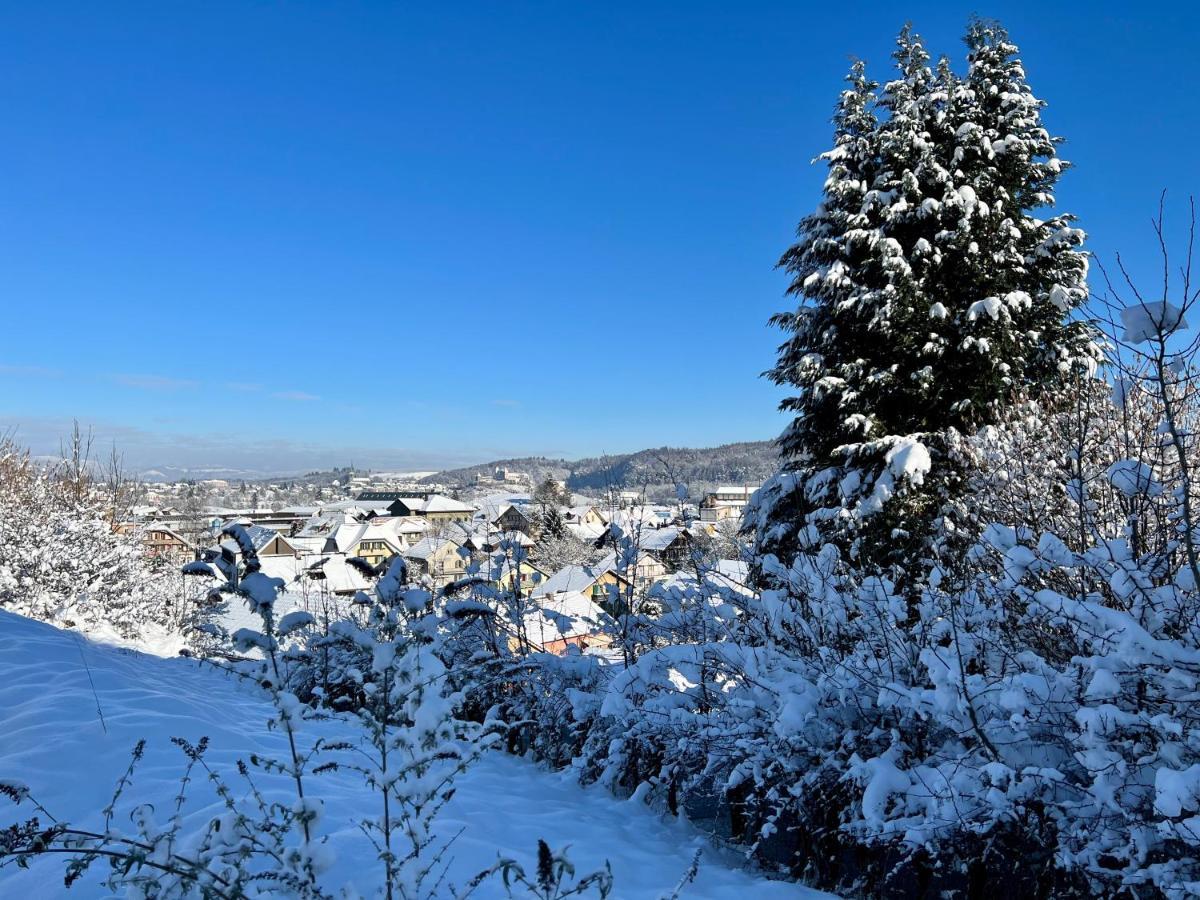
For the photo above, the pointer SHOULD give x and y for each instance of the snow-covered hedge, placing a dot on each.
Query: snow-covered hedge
(62, 562)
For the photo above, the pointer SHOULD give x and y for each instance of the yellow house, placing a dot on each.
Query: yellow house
(438, 558)
(375, 551)
(376, 540)
(585, 515)
(598, 582)
(506, 575)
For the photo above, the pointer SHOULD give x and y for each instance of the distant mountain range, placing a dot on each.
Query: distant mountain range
(657, 470)
(199, 473)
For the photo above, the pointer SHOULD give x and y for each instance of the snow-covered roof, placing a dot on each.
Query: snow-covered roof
(464, 533)
(326, 522)
(493, 504)
(493, 568)
(260, 535)
(520, 538)
(289, 568)
(428, 546)
(641, 517)
(338, 576)
(308, 543)
(439, 503)
(387, 529)
(655, 540)
(375, 506)
(521, 509)
(563, 616)
(573, 578)
(435, 503)
(585, 532)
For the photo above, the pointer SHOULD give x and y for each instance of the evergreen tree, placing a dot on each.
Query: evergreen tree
(553, 524)
(930, 299)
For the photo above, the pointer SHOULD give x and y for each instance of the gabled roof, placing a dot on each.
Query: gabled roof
(473, 534)
(386, 529)
(337, 575)
(491, 505)
(521, 509)
(520, 538)
(163, 529)
(586, 533)
(656, 540)
(436, 503)
(494, 569)
(563, 616)
(427, 547)
(260, 535)
(574, 578)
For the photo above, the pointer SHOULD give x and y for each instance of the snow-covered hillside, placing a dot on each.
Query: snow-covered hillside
(69, 753)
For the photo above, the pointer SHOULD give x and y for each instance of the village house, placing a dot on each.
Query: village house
(563, 621)
(669, 544)
(332, 574)
(585, 515)
(648, 569)
(509, 575)
(438, 558)
(160, 541)
(518, 517)
(599, 581)
(490, 505)
(436, 509)
(726, 502)
(376, 540)
(269, 542)
(386, 503)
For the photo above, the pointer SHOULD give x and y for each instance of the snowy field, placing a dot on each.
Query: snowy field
(52, 740)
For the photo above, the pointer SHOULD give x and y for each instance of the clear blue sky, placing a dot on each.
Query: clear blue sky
(285, 234)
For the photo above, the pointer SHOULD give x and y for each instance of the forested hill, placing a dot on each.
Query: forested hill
(656, 470)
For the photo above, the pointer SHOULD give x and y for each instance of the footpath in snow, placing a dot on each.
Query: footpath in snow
(52, 740)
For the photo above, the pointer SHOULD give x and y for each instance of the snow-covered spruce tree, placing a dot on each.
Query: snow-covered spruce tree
(931, 299)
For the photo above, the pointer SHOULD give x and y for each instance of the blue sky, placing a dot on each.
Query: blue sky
(282, 235)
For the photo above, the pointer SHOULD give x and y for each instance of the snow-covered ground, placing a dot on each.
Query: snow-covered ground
(52, 739)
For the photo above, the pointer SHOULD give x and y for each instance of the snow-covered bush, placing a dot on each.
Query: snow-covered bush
(411, 747)
(554, 877)
(62, 562)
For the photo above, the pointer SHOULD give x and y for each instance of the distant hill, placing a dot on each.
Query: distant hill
(655, 470)
(199, 473)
